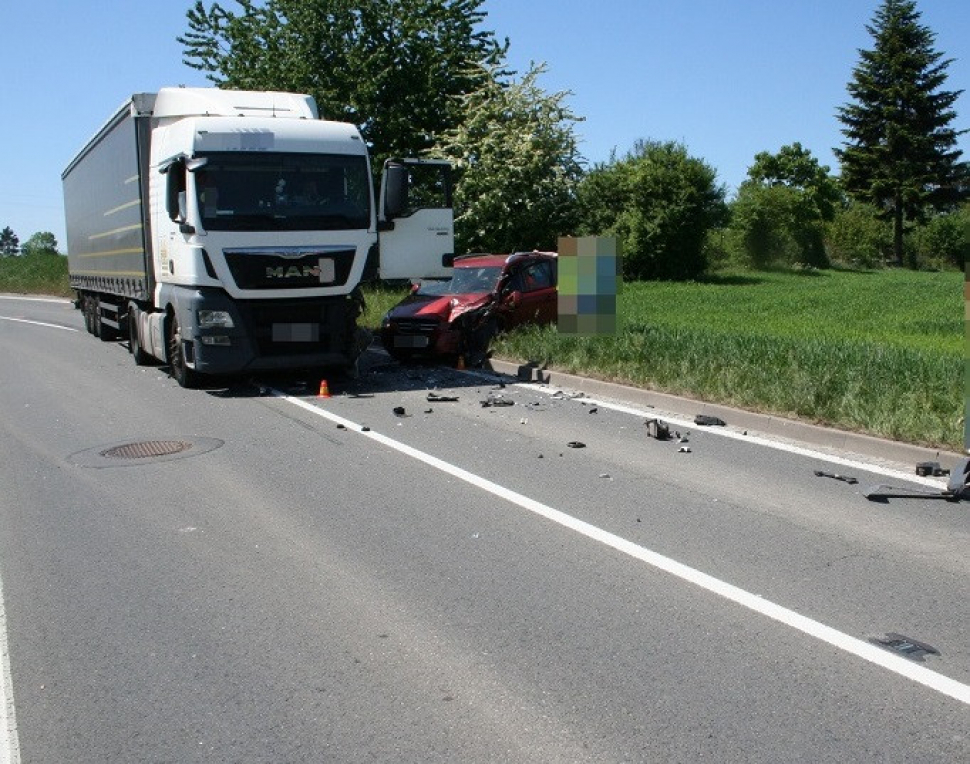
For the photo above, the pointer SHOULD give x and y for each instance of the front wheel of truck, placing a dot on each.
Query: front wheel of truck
(185, 376)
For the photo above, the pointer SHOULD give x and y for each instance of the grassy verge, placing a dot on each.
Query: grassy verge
(37, 274)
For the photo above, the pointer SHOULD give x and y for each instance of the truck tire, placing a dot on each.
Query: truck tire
(134, 346)
(182, 374)
(85, 312)
(95, 316)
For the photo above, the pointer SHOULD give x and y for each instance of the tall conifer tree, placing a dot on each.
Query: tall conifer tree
(900, 151)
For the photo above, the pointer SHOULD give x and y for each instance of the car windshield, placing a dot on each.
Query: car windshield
(267, 192)
(463, 281)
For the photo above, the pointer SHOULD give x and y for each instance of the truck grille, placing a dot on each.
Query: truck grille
(289, 268)
(326, 321)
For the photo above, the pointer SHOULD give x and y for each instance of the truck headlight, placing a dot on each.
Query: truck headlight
(211, 318)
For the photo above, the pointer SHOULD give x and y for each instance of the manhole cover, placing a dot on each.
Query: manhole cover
(146, 449)
(131, 452)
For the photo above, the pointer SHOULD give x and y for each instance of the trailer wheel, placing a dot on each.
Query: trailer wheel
(185, 376)
(134, 346)
(87, 313)
(95, 316)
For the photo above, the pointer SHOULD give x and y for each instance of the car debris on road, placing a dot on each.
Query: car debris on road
(834, 476)
(709, 421)
(657, 429)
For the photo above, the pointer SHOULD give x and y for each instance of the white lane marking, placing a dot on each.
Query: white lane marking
(849, 644)
(38, 323)
(723, 432)
(9, 740)
(59, 300)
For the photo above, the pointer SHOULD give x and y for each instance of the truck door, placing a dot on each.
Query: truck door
(416, 225)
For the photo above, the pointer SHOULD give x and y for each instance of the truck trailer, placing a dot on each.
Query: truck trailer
(225, 232)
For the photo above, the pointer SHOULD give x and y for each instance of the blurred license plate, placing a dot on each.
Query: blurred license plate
(296, 332)
(403, 341)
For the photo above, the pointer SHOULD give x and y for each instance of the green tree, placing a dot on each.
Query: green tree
(781, 209)
(41, 243)
(516, 158)
(859, 236)
(660, 203)
(899, 152)
(944, 241)
(395, 68)
(9, 243)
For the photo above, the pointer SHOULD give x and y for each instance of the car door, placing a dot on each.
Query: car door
(533, 288)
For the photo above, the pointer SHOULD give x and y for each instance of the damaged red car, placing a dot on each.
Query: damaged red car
(486, 295)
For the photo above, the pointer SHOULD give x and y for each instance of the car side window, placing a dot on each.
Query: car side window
(537, 276)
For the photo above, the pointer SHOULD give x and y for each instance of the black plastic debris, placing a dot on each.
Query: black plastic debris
(496, 401)
(957, 488)
(910, 648)
(365, 428)
(341, 427)
(576, 444)
(834, 476)
(882, 493)
(593, 410)
(709, 421)
(926, 469)
(657, 429)
(436, 398)
(400, 411)
(683, 450)
(531, 372)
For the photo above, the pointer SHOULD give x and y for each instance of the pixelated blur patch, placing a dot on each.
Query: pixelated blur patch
(589, 280)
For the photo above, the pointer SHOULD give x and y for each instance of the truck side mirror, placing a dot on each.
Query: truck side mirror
(176, 199)
(395, 190)
(174, 188)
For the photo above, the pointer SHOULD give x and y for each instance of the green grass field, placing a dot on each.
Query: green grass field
(880, 352)
(40, 274)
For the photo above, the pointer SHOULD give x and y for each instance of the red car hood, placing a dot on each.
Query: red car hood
(447, 307)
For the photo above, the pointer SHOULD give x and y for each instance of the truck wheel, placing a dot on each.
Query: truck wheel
(185, 376)
(88, 312)
(134, 346)
(95, 316)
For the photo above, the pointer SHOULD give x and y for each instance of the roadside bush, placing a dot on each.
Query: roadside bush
(857, 237)
(660, 203)
(775, 226)
(943, 242)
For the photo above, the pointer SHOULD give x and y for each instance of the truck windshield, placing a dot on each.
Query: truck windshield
(268, 192)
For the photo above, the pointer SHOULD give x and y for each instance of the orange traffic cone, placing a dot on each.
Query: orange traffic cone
(461, 363)
(324, 390)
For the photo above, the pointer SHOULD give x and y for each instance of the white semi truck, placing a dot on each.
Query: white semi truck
(226, 231)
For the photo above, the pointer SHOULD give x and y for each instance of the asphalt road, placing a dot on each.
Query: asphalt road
(306, 579)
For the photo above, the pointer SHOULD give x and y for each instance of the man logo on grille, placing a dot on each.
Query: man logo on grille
(292, 271)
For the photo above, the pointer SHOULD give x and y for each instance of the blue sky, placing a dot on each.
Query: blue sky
(727, 78)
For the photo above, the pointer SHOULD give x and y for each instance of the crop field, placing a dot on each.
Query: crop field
(880, 352)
